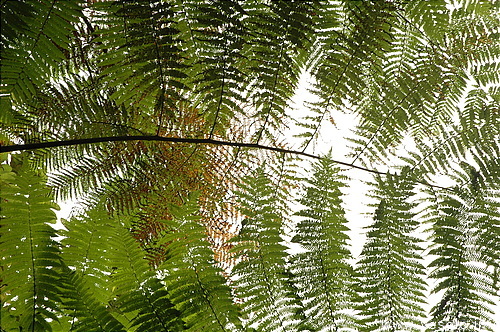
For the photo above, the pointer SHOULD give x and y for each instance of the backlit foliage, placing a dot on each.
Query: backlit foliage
(174, 236)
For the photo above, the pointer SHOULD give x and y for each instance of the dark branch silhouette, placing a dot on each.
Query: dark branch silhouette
(44, 145)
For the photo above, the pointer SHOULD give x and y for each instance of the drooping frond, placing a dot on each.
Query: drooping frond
(216, 37)
(109, 283)
(390, 269)
(465, 240)
(195, 284)
(281, 35)
(424, 78)
(322, 274)
(350, 40)
(475, 138)
(260, 278)
(29, 256)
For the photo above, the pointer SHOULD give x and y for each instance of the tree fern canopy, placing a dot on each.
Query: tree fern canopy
(172, 127)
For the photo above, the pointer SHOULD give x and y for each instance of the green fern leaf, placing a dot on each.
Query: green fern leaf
(30, 257)
(87, 285)
(141, 60)
(137, 289)
(323, 276)
(260, 276)
(195, 284)
(390, 269)
(38, 33)
(85, 310)
(467, 221)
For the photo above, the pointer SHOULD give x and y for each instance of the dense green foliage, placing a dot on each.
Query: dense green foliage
(208, 236)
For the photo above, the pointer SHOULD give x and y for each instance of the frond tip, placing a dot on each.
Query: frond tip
(260, 277)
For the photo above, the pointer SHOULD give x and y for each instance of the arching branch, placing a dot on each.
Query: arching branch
(81, 141)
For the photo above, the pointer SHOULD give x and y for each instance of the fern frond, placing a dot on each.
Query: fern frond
(432, 82)
(87, 286)
(112, 286)
(136, 287)
(55, 109)
(475, 136)
(30, 258)
(390, 269)
(350, 40)
(323, 276)
(463, 268)
(281, 32)
(431, 17)
(85, 310)
(141, 57)
(88, 174)
(216, 36)
(195, 285)
(84, 245)
(260, 277)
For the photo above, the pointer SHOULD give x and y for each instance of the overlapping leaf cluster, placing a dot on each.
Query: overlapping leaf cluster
(174, 236)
